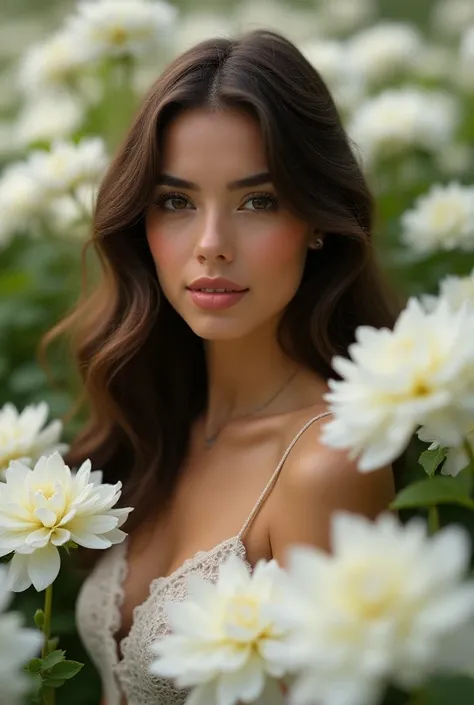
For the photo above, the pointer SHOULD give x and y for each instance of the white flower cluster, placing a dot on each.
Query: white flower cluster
(451, 17)
(336, 628)
(30, 190)
(43, 508)
(97, 30)
(442, 219)
(23, 436)
(385, 49)
(419, 374)
(405, 118)
(376, 55)
(17, 646)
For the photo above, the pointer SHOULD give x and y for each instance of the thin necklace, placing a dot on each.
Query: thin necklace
(210, 440)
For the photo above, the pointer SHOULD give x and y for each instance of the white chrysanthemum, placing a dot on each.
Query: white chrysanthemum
(456, 458)
(71, 216)
(457, 291)
(121, 28)
(21, 200)
(401, 119)
(17, 646)
(330, 58)
(43, 508)
(68, 165)
(297, 23)
(52, 64)
(453, 16)
(50, 117)
(221, 636)
(24, 436)
(196, 26)
(442, 219)
(384, 50)
(420, 373)
(344, 16)
(376, 611)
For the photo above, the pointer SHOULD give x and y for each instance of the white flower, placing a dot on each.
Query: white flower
(330, 58)
(52, 64)
(344, 16)
(17, 646)
(71, 216)
(457, 291)
(44, 508)
(442, 219)
(21, 200)
(457, 458)
(121, 28)
(420, 373)
(297, 23)
(47, 118)
(23, 436)
(435, 61)
(453, 16)
(378, 610)
(401, 119)
(385, 49)
(67, 166)
(195, 26)
(221, 636)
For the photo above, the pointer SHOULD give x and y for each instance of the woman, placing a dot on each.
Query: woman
(234, 232)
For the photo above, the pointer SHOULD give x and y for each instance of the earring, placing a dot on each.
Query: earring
(317, 244)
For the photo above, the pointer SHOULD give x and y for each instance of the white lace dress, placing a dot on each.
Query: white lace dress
(98, 614)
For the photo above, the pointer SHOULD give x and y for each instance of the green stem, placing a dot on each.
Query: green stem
(433, 519)
(47, 693)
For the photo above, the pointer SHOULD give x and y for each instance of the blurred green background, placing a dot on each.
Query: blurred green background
(39, 279)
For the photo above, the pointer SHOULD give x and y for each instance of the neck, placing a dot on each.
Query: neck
(243, 375)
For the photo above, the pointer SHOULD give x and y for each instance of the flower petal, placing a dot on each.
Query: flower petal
(43, 566)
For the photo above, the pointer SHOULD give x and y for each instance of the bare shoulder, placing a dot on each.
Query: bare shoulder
(316, 481)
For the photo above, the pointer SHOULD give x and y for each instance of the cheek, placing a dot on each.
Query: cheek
(282, 252)
(168, 252)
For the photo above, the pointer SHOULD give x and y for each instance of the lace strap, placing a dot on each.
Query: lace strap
(271, 482)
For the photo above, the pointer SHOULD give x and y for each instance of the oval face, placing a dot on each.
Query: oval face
(228, 253)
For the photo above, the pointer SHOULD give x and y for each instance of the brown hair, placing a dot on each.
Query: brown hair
(142, 368)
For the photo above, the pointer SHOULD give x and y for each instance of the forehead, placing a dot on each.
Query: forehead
(199, 143)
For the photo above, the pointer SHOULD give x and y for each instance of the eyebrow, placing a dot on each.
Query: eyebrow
(254, 180)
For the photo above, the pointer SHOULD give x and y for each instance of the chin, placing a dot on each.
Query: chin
(221, 330)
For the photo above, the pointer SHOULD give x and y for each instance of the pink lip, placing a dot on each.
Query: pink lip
(215, 300)
(212, 299)
(215, 283)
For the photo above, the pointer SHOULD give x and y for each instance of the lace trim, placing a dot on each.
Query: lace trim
(150, 622)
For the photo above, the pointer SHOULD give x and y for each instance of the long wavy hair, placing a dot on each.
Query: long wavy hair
(142, 369)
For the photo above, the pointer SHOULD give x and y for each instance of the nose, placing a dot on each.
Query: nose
(214, 241)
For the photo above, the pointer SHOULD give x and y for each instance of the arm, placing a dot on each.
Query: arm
(315, 482)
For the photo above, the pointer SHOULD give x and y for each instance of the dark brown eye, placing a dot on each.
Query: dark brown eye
(262, 202)
(172, 202)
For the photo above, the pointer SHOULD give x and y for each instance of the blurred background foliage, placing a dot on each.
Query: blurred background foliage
(40, 278)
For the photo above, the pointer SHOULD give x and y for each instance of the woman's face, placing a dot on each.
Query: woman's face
(216, 223)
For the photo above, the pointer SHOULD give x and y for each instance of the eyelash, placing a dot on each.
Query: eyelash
(160, 200)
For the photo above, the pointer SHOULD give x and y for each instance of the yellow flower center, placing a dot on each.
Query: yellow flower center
(117, 35)
(243, 610)
(369, 593)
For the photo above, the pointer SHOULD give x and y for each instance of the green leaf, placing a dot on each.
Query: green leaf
(39, 619)
(70, 546)
(65, 670)
(435, 490)
(53, 682)
(52, 659)
(34, 666)
(432, 459)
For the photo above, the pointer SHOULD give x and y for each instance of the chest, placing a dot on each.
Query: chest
(211, 503)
